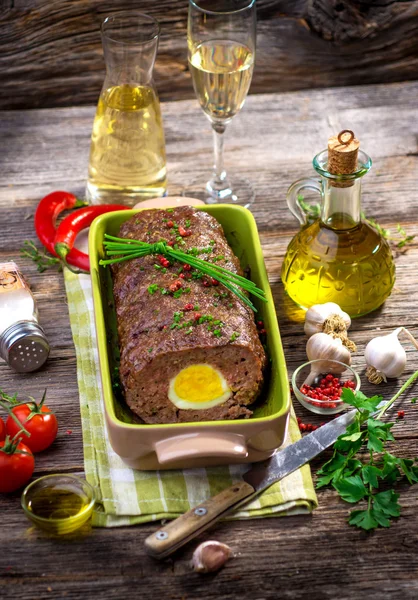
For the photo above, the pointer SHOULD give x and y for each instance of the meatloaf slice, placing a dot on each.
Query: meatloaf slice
(170, 318)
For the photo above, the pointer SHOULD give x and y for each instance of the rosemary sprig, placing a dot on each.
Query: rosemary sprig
(121, 249)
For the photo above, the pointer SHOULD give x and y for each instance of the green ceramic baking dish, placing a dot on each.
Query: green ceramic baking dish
(186, 445)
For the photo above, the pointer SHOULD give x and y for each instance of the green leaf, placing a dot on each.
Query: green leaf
(370, 474)
(381, 430)
(374, 443)
(325, 480)
(387, 503)
(336, 462)
(344, 445)
(351, 489)
(390, 471)
(363, 519)
(380, 517)
(353, 437)
(352, 465)
(360, 401)
(409, 469)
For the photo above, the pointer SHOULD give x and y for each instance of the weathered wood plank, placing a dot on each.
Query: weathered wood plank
(50, 51)
(273, 142)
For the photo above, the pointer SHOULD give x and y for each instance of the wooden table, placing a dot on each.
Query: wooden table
(272, 142)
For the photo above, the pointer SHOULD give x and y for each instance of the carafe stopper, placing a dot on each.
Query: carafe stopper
(343, 155)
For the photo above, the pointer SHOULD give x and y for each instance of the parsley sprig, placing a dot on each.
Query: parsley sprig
(361, 480)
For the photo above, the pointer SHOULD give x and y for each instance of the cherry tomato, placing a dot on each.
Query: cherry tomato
(2, 430)
(16, 466)
(42, 425)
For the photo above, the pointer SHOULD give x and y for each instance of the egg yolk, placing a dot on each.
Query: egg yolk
(198, 387)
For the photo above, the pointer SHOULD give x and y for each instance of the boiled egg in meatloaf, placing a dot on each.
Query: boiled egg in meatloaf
(198, 387)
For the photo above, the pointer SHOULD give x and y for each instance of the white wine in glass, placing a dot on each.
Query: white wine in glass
(221, 43)
(221, 71)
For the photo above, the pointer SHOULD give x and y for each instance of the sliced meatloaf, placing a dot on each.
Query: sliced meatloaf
(171, 317)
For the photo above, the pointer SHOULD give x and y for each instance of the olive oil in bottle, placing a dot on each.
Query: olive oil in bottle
(337, 258)
(350, 266)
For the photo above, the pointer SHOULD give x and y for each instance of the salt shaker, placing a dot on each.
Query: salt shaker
(23, 344)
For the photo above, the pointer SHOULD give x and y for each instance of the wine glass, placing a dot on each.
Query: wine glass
(221, 50)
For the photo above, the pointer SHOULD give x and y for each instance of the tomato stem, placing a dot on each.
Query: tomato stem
(15, 419)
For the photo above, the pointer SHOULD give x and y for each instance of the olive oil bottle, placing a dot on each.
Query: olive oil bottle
(338, 257)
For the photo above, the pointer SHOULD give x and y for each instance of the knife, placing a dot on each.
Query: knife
(260, 476)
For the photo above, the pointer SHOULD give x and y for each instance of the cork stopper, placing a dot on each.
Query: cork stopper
(342, 155)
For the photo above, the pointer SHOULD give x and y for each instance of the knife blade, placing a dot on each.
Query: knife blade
(261, 475)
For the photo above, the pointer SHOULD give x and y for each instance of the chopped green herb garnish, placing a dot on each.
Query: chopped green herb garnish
(169, 210)
(217, 333)
(187, 223)
(234, 336)
(150, 349)
(153, 288)
(120, 249)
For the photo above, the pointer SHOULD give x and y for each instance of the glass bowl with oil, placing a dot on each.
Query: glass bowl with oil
(319, 389)
(59, 504)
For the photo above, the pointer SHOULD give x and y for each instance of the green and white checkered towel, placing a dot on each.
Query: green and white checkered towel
(127, 496)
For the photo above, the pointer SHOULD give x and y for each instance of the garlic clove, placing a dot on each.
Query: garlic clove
(385, 357)
(319, 313)
(210, 556)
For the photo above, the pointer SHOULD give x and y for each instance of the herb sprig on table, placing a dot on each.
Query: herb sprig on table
(370, 480)
(42, 259)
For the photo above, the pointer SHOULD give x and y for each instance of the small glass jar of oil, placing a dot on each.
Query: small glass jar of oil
(59, 504)
(337, 257)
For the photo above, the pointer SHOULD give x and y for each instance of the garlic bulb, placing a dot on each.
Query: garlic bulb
(321, 345)
(324, 348)
(210, 556)
(317, 315)
(385, 357)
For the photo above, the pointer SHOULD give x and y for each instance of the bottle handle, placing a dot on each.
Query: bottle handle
(292, 196)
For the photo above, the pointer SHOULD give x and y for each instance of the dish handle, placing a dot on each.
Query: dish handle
(201, 444)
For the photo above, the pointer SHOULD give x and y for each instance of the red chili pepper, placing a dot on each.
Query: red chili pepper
(49, 208)
(72, 224)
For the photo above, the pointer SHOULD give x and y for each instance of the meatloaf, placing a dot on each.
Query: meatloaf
(170, 318)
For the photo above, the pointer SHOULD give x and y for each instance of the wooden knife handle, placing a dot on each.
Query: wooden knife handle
(186, 527)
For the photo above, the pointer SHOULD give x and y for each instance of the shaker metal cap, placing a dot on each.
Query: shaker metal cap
(24, 346)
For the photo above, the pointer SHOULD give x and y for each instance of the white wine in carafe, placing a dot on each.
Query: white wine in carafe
(127, 155)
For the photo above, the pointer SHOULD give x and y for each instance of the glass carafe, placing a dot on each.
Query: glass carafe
(127, 156)
(338, 257)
